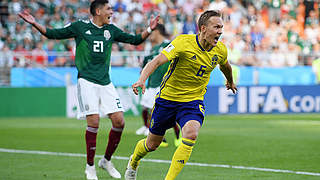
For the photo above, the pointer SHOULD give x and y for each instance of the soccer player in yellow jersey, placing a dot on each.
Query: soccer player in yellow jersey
(192, 58)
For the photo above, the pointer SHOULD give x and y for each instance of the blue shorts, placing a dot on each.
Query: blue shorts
(166, 113)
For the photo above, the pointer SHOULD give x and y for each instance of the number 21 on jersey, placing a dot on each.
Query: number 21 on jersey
(98, 46)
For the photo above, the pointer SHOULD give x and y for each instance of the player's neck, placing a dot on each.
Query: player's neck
(204, 43)
(153, 43)
(160, 40)
(96, 20)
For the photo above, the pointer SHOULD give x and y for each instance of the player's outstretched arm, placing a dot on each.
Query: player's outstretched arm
(152, 25)
(147, 70)
(31, 20)
(227, 71)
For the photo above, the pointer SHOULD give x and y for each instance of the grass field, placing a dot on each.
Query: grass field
(286, 143)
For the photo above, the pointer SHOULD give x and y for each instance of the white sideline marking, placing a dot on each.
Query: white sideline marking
(160, 161)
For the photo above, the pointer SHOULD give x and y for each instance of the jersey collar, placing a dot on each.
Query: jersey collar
(197, 38)
(95, 24)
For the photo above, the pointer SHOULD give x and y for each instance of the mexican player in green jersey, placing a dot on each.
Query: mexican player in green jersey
(158, 41)
(96, 93)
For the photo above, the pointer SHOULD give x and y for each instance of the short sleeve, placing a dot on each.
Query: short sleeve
(172, 50)
(224, 50)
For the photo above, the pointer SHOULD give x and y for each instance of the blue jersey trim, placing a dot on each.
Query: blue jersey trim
(165, 79)
(197, 38)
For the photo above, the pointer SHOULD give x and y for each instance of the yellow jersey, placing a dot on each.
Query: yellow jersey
(190, 68)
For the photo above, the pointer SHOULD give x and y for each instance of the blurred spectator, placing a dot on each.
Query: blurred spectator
(33, 5)
(309, 4)
(174, 26)
(119, 4)
(116, 58)
(27, 42)
(14, 7)
(135, 5)
(218, 5)
(234, 54)
(22, 56)
(2, 38)
(235, 16)
(131, 60)
(57, 21)
(189, 26)
(292, 55)
(305, 45)
(122, 17)
(312, 19)
(71, 47)
(52, 53)
(39, 56)
(6, 62)
(256, 36)
(274, 10)
(251, 15)
(277, 58)
(4, 11)
(188, 7)
(6, 57)
(253, 27)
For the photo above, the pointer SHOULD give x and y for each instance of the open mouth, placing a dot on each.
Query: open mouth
(217, 38)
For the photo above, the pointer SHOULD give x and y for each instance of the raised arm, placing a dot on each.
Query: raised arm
(227, 71)
(152, 25)
(66, 32)
(147, 70)
(121, 36)
(31, 20)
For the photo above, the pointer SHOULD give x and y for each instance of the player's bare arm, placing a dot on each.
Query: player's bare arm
(153, 24)
(227, 71)
(147, 70)
(31, 20)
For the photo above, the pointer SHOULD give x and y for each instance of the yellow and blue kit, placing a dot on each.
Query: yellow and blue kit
(183, 86)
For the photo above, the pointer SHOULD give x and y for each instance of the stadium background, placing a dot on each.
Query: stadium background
(272, 44)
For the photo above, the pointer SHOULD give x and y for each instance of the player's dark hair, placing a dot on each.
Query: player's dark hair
(161, 28)
(96, 4)
(204, 17)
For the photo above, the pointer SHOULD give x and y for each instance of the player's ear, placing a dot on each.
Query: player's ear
(203, 28)
(98, 11)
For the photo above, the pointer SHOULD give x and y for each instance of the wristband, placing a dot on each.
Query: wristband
(149, 30)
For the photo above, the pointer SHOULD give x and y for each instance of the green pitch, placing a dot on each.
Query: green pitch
(277, 142)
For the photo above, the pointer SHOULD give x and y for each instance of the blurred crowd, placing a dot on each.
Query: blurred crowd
(265, 33)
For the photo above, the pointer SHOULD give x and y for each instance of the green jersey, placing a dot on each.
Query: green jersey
(155, 78)
(93, 47)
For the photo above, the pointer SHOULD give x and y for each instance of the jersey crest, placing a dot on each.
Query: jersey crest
(106, 35)
(214, 60)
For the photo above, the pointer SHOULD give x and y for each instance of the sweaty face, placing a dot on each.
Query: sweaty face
(213, 30)
(105, 12)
